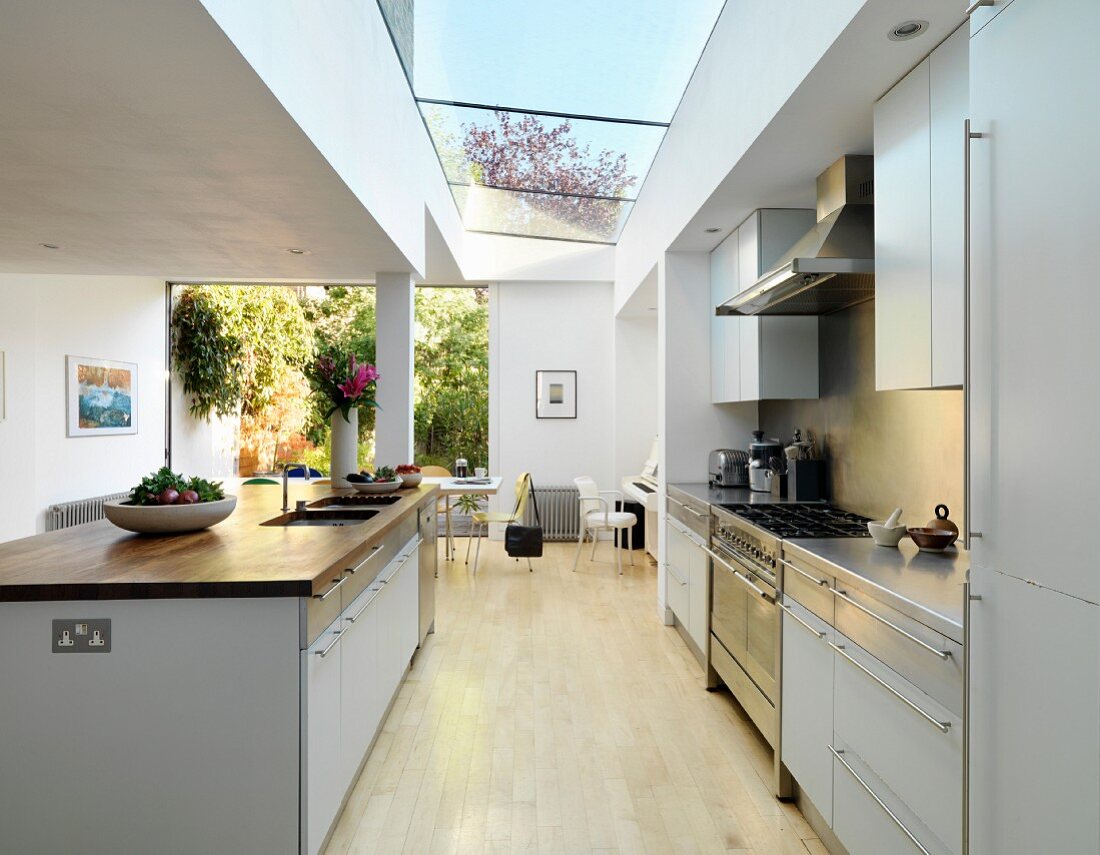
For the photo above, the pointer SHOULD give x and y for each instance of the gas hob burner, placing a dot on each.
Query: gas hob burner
(788, 521)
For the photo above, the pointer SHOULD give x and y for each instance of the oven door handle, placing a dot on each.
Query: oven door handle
(744, 579)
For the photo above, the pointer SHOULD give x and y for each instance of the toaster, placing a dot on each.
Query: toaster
(728, 467)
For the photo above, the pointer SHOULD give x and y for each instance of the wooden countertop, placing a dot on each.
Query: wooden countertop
(235, 558)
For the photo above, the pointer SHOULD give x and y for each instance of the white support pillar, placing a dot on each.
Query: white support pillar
(393, 434)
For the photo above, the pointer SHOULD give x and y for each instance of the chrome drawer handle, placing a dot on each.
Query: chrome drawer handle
(687, 508)
(942, 654)
(802, 572)
(976, 5)
(366, 606)
(790, 612)
(837, 754)
(353, 570)
(336, 584)
(332, 644)
(675, 575)
(941, 726)
(740, 575)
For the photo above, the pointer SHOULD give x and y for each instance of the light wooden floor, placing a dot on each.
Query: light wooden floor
(552, 712)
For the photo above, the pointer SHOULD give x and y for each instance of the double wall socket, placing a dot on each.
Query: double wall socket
(82, 636)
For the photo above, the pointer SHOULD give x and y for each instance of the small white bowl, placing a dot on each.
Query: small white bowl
(411, 479)
(375, 488)
(884, 536)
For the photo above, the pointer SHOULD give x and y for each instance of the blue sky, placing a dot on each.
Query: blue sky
(623, 58)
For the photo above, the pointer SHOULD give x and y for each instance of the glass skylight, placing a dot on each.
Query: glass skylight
(547, 116)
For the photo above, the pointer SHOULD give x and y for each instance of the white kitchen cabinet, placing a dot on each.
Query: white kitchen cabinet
(984, 14)
(807, 713)
(322, 784)
(1034, 719)
(698, 594)
(760, 358)
(725, 331)
(677, 572)
(1034, 303)
(919, 223)
(911, 743)
(363, 698)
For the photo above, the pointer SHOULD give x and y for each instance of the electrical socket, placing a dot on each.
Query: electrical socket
(81, 636)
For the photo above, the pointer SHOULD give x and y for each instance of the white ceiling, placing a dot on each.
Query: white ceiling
(135, 137)
(829, 115)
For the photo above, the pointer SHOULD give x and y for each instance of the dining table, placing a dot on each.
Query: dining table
(448, 487)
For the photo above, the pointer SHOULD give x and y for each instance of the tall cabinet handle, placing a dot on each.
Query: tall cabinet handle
(839, 755)
(968, 598)
(977, 4)
(968, 505)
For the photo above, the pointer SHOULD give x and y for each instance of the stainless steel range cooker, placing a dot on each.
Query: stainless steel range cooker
(745, 652)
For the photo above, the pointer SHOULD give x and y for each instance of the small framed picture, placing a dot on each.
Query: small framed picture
(555, 394)
(102, 396)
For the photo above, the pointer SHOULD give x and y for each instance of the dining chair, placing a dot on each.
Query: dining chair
(442, 505)
(483, 518)
(597, 515)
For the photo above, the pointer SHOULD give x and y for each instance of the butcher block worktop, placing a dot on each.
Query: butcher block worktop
(236, 558)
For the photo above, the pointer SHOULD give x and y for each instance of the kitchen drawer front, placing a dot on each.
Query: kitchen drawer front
(903, 644)
(690, 511)
(915, 758)
(676, 573)
(752, 700)
(809, 587)
(807, 708)
(865, 826)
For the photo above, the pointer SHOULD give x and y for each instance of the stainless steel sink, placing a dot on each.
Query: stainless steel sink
(354, 501)
(344, 517)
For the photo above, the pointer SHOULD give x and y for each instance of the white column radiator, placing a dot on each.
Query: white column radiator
(559, 509)
(68, 514)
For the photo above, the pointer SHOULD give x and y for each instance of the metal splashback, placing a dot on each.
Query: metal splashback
(832, 266)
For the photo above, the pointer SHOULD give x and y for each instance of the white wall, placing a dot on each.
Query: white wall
(756, 57)
(43, 319)
(550, 325)
(635, 393)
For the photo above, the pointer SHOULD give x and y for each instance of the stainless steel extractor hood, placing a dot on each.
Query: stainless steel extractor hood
(832, 266)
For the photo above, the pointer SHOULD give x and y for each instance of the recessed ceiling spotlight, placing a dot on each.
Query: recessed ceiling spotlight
(907, 30)
(49, 246)
(295, 251)
(712, 230)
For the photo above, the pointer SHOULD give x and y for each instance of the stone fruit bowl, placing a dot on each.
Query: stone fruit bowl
(374, 488)
(168, 519)
(411, 479)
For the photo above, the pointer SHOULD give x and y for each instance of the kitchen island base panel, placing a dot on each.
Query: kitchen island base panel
(183, 738)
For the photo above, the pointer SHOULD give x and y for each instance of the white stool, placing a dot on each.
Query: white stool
(597, 516)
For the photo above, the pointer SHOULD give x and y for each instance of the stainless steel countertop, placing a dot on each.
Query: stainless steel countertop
(729, 495)
(925, 586)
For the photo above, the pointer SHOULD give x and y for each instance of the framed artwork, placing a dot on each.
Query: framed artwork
(102, 396)
(555, 394)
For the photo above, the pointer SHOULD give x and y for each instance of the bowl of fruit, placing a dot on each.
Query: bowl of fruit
(410, 474)
(383, 480)
(168, 503)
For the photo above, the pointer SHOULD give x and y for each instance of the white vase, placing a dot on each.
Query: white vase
(344, 458)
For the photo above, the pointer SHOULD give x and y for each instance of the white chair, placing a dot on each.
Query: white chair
(597, 516)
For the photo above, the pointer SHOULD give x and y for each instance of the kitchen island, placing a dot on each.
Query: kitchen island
(209, 692)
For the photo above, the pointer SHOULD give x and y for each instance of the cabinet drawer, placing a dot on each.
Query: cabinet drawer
(910, 742)
(691, 512)
(904, 645)
(676, 574)
(868, 818)
(807, 705)
(809, 586)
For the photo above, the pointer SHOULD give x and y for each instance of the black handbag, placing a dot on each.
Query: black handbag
(524, 541)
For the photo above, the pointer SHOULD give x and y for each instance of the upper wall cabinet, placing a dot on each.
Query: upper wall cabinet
(919, 223)
(760, 358)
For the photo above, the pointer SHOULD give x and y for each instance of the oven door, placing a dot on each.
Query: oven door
(744, 618)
